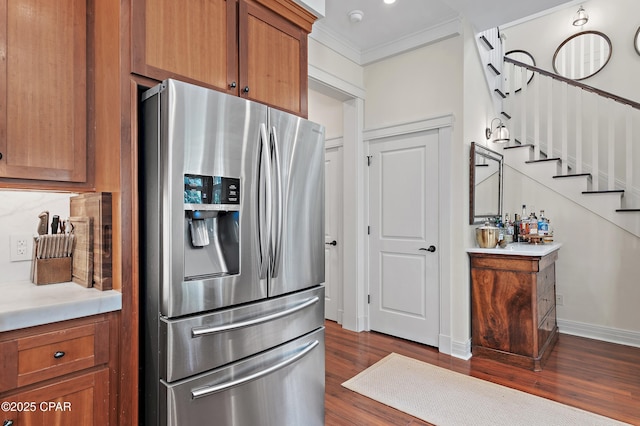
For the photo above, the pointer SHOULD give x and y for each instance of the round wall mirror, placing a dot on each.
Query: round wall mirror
(636, 41)
(582, 55)
(524, 57)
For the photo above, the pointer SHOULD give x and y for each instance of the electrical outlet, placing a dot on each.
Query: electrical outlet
(559, 300)
(21, 247)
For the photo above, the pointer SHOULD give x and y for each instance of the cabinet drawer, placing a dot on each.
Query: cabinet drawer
(546, 301)
(37, 357)
(546, 329)
(546, 279)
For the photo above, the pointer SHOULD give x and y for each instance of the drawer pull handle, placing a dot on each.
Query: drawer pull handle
(208, 390)
(7, 423)
(202, 331)
(58, 355)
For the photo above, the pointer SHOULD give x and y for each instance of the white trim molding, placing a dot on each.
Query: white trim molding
(407, 128)
(418, 39)
(599, 332)
(444, 125)
(340, 89)
(461, 350)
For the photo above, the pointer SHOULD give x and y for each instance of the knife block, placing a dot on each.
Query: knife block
(49, 271)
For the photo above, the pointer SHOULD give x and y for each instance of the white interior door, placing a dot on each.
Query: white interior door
(403, 240)
(333, 233)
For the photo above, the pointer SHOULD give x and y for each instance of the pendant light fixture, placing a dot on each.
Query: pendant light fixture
(580, 18)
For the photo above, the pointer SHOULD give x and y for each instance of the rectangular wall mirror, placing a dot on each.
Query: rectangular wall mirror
(485, 184)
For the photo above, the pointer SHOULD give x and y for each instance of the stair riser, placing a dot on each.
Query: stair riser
(514, 155)
(576, 184)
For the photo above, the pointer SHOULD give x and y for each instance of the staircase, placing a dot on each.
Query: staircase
(570, 137)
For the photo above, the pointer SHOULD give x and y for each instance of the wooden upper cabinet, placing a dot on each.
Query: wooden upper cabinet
(43, 90)
(256, 49)
(190, 40)
(273, 59)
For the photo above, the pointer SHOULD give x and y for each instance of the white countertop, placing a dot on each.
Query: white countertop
(24, 304)
(520, 249)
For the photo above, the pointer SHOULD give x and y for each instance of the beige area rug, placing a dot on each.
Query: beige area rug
(444, 397)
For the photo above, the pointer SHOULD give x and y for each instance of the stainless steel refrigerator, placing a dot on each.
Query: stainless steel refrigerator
(231, 261)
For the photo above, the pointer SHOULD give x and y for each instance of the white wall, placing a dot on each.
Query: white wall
(618, 20)
(19, 212)
(419, 84)
(478, 111)
(333, 64)
(327, 111)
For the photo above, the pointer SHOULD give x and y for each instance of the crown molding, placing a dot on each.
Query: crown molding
(327, 37)
(413, 41)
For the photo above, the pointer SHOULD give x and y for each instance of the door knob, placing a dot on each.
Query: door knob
(431, 248)
(332, 243)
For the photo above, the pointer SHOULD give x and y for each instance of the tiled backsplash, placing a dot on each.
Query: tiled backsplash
(19, 212)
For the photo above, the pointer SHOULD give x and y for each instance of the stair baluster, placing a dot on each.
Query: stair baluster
(589, 136)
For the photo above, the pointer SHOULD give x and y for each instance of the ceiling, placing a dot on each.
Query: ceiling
(389, 29)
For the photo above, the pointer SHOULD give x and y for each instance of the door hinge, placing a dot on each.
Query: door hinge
(368, 230)
(368, 299)
(369, 157)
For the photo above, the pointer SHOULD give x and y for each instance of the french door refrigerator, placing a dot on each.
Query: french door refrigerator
(231, 261)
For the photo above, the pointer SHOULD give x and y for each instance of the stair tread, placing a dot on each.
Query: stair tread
(573, 175)
(500, 93)
(487, 43)
(608, 191)
(517, 146)
(543, 160)
(627, 210)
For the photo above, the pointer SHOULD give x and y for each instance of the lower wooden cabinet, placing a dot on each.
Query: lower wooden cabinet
(60, 373)
(513, 310)
(78, 400)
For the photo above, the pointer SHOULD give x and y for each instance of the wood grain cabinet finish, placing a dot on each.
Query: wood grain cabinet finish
(58, 374)
(43, 90)
(190, 40)
(253, 49)
(513, 311)
(273, 59)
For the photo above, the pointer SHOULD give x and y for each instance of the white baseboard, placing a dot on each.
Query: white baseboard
(444, 344)
(461, 350)
(598, 332)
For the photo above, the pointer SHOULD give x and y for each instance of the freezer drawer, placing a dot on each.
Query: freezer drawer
(196, 344)
(280, 387)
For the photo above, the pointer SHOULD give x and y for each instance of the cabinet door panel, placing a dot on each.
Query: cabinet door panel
(273, 59)
(190, 40)
(502, 310)
(82, 400)
(43, 92)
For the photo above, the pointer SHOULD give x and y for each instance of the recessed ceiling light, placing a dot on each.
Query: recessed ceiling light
(389, 1)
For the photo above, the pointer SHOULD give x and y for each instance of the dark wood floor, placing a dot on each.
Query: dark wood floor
(600, 377)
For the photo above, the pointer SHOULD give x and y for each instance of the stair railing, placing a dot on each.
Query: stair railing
(589, 130)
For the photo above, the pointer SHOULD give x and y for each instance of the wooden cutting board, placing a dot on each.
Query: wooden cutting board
(82, 272)
(97, 206)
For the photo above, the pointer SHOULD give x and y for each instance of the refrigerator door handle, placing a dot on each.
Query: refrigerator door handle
(209, 390)
(264, 202)
(201, 331)
(277, 243)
